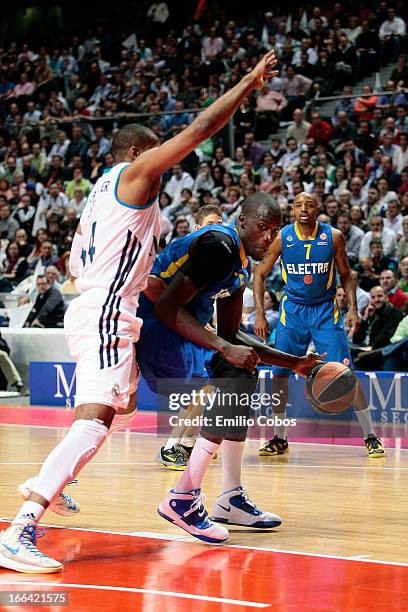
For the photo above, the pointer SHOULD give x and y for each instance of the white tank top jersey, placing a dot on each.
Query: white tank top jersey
(119, 241)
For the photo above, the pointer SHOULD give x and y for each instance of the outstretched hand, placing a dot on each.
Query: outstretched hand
(264, 69)
(308, 362)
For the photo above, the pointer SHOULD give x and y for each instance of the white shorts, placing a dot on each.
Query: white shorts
(101, 340)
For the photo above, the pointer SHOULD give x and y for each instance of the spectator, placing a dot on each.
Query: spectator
(353, 236)
(78, 201)
(295, 88)
(371, 267)
(392, 30)
(377, 230)
(400, 73)
(400, 157)
(24, 213)
(14, 267)
(379, 323)
(269, 104)
(320, 130)
(77, 145)
(204, 180)
(402, 249)
(393, 218)
(364, 105)
(8, 368)
(403, 269)
(181, 228)
(396, 296)
(45, 258)
(299, 128)
(48, 309)
(179, 181)
(21, 239)
(24, 87)
(60, 147)
(8, 225)
(253, 149)
(78, 182)
(51, 272)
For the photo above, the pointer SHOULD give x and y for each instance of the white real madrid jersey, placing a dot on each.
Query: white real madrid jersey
(119, 241)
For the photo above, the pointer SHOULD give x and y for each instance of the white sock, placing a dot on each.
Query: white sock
(280, 430)
(366, 423)
(171, 442)
(188, 441)
(32, 509)
(197, 466)
(232, 453)
(65, 461)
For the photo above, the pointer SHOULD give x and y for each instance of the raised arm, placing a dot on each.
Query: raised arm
(348, 280)
(152, 163)
(263, 269)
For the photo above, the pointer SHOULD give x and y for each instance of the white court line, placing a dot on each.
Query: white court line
(102, 587)
(189, 539)
(159, 436)
(246, 465)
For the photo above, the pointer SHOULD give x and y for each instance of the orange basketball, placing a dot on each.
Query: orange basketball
(331, 387)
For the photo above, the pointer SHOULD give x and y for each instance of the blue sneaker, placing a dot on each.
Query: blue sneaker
(186, 510)
(235, 508)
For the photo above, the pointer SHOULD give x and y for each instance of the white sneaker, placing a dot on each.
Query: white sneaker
(234, 508)
(18, 550)
(187, 511)
(63, 504)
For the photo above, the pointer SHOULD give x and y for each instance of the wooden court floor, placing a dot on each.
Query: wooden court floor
(342, 544)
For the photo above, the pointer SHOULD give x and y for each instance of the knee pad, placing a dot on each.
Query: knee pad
(89, 437)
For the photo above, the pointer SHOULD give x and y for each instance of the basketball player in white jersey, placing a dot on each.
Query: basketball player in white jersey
(112, 255)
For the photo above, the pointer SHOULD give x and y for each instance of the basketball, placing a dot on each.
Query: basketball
(331, 387)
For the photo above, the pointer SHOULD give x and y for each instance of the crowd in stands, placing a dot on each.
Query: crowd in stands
(61, 106)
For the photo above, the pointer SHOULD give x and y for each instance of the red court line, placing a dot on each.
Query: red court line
(280, 580)
(62, 417)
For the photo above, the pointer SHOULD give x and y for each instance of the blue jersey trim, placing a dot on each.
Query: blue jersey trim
(148, 204)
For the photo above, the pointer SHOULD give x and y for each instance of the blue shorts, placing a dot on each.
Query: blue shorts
(162, 354)
(322, 323)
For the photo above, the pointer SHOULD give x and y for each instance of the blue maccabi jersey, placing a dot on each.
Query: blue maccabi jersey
(172, 258)
(308, 268)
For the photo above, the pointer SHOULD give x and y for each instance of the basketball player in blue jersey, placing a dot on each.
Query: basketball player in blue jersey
(177, 450)
(208, 266)
(310, 253)
(112, 255)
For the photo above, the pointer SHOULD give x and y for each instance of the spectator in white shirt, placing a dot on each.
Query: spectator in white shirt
(212, 44)
(390, 33)
(393, 218)
(60, 147)
(204, 181)
(377, 230)
(291, 157)
(400, 157)
(179, 181)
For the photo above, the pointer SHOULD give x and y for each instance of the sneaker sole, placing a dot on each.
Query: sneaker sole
(269, 525)
(169, 465)
(265, 453)
(195, 535)
(376, 455)
(25, 493)
(24, 568)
